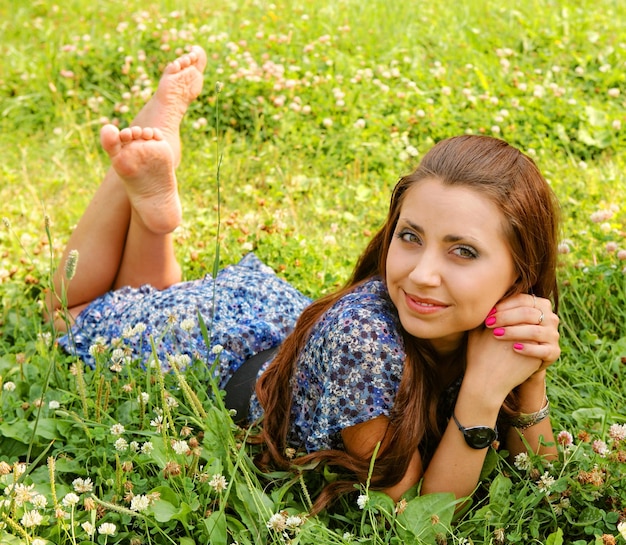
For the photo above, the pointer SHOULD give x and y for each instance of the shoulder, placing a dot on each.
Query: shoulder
(363, 322)
(367, 303)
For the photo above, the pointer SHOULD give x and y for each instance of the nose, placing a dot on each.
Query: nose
(426, 270)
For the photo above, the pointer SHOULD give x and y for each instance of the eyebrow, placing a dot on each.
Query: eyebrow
(447, 238)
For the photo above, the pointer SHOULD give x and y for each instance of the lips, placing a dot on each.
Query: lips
(423, 305)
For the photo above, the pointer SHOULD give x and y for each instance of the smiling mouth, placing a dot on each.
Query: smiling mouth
(423, 306)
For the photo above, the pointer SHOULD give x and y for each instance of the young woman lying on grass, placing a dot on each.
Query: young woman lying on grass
(437, 346)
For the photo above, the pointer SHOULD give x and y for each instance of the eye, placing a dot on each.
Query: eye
(466, 252)
(408, 236)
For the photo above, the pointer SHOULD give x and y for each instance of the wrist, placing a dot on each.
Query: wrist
(480, 400)
(532, 395)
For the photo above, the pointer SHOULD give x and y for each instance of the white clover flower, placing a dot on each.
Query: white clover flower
(171, 402)
(362, 501)
(45, 337)
(617, 432)
(89, 528)
(217, 350)
(53, 405)
(39, 501)
(121, 444)
(563, 248)
(8, 386)
(523, 461)
(294, 521)
(181, 361)
(134, 446)
(545, 482)
(143, 398)
(31, 518)
(107, 529)
(565, 438)
(180, 447)
(139, 328)
(276, 522)
(38, 541)
(82, 485)
(600, 447)
(70, 500)
(187, 324)
(139, 503)
(117, 429)
(218, 482)
(22, 493)
(157, 422)
(118, 355)
(600, 216)
(147, 447)
(621, 528)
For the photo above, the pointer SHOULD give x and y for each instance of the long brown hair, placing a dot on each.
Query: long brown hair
(513, 182)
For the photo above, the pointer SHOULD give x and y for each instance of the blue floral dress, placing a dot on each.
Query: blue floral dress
(348, 372)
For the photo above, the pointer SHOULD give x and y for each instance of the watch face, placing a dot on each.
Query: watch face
(479, 436)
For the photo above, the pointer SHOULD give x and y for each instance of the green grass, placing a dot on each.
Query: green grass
(305, 194)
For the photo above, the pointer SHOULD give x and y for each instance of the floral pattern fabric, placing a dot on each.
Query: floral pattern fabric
(347, 373)
(349, 370)
(246, 309)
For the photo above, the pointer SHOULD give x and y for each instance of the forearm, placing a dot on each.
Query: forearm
(455, 466)
(538, 436)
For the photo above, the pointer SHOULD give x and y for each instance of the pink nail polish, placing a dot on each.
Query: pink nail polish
(498, 331)
(518, 346)
(490, 320)
(492, 311)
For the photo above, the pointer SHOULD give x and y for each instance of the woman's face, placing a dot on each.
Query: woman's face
(448, 263)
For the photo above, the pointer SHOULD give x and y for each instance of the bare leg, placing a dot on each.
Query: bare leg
(109, 223)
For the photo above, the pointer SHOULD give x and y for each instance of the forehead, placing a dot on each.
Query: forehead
(430, 203)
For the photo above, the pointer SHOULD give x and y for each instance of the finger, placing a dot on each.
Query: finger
(547, 353)
(522, 315)
(524, 300)
(539, 334)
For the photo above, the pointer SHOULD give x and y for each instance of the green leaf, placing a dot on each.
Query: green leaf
(216, 527)
(500, 493)
(589, 516)
(163, 511)
(555, 538)
(426, 516)
(380, 500)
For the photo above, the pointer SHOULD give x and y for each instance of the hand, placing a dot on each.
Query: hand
(520, 339)
(529, 323)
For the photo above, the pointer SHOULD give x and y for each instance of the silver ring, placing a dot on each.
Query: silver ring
(541, 316)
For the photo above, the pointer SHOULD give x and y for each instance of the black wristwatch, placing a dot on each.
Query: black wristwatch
(477, 437)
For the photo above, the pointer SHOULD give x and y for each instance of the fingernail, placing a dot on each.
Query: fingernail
(498, 331)
(492, 311)
(490, 321)
(518, 346)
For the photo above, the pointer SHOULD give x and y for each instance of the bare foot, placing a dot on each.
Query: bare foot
(180, 84)
(144, 161)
